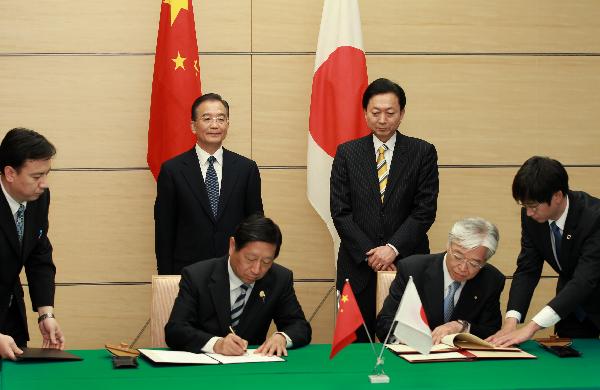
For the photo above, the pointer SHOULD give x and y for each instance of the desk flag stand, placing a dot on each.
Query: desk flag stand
(348, 320)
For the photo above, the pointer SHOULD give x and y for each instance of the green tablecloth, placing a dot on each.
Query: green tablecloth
(311, 368)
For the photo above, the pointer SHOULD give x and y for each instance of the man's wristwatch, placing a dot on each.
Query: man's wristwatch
(465, 325)
(44, 316)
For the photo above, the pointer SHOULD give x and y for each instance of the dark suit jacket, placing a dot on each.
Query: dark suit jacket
(363, 222)
(185, 229)
(35, 255)
(202, 308)
(479, 301)
(579, 280)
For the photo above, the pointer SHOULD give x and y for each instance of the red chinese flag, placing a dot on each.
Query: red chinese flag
(348, 320)
(176, 83)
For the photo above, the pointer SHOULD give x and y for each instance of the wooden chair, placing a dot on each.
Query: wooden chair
(164, 291)
(384, 280)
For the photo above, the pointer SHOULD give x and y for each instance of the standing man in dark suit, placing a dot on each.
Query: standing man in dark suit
(384, 191)
(24, 200)
(459, 290)
(561, 227)
(243, 292)
(204, 193)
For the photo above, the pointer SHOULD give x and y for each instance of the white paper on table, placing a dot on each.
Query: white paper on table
(177, 357)
(248, 357)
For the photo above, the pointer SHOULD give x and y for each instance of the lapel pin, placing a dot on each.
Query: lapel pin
(40, 234)
(475, 297)
(568, 236)
(262, 295)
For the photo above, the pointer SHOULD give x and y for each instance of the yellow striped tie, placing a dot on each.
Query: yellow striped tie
(382, 170)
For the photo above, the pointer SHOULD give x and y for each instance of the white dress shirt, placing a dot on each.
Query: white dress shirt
(203, 161)
(13, 204)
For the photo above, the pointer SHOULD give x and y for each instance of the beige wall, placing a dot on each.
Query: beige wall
(486, 83)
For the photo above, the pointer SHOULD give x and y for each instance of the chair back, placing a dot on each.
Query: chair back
(384, 280)
(164, 291)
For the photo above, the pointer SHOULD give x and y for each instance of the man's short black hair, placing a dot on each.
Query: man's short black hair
(206, 97)
(381, 86)
(20, 145)
(257, 227)
(538, 179)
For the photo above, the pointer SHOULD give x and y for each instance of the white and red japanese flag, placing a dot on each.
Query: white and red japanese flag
(412, 327)
(336, 114)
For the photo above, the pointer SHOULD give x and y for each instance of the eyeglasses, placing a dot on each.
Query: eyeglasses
(530, 206)
(207, 120)
(473, 264)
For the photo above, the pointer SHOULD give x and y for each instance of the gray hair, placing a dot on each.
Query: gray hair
(471, 233)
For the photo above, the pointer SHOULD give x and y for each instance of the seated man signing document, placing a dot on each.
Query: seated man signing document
(226, 303)
(459, 290)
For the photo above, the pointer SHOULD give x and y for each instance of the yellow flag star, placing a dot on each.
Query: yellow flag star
(344, 298)
(179, 61)
(176, 6)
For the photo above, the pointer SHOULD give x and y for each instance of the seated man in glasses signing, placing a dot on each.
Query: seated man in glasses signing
(459, 291)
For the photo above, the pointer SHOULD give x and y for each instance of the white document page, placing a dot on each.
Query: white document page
(248, 357)
(177, 357)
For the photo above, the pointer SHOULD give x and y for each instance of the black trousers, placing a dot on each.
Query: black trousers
(366, 304)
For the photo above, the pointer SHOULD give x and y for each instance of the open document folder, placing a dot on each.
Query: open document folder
(459, 347)
(181, 357)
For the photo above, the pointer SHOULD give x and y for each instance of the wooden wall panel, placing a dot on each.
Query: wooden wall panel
(307, 247)
(91, 316)
(102, 226)
(544, 292)
(281, 89)
(95, 109)
(126, 27)
(438, 26)
(499, 110)
(476, 110)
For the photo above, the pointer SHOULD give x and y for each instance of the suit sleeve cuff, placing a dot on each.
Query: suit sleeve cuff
(546, 318)
(514, 314)
(394, 248)
(209, 347)
(288, 340)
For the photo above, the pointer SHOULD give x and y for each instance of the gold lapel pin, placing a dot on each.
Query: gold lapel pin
(262, 295)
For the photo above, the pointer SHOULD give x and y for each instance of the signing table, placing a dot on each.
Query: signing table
(310, 368)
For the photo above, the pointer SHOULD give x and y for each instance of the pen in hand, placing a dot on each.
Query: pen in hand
(245, 347)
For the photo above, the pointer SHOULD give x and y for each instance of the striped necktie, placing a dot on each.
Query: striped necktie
(382, 170)
(238, 306)
(20, 222)
(449, 301)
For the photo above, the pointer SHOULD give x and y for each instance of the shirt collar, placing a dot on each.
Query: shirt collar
(12, 203)
(390, 142)
(203, 155)
(560, 222)
(234, 281)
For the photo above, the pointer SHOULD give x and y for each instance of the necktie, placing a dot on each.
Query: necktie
(238, 306)
(557, 237)
(212, 185)
(20, 222)
(382, 170)
(449, 301)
